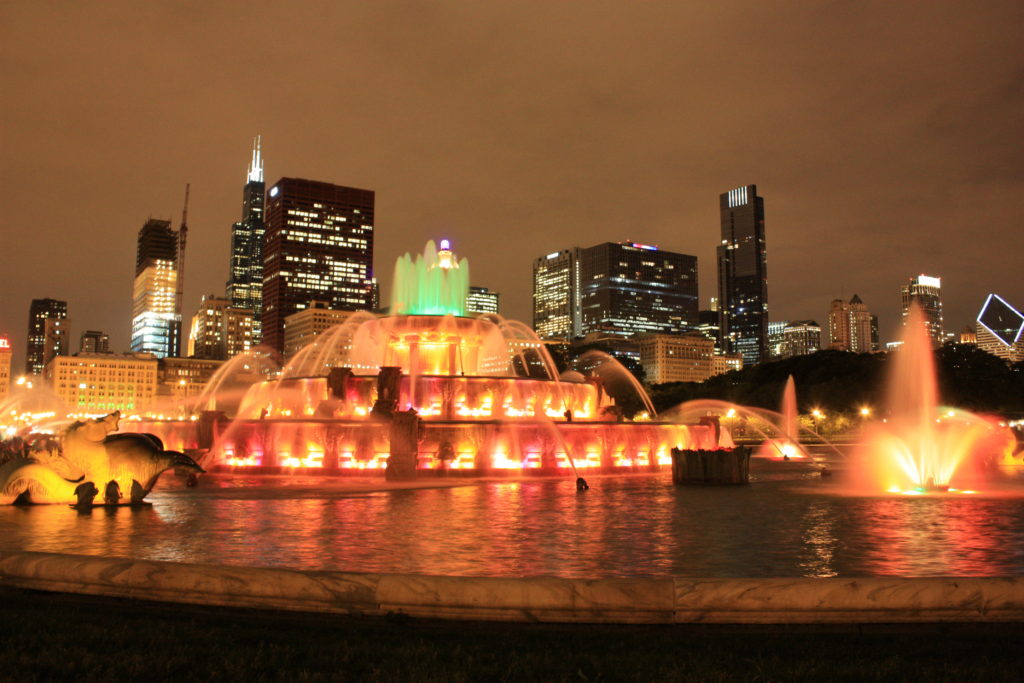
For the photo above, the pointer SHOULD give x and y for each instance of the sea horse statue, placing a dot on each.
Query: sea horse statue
(124, 466)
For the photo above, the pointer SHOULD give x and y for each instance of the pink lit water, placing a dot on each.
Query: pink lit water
(788, 523)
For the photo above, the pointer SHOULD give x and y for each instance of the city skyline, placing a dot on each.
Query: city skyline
(898, 122)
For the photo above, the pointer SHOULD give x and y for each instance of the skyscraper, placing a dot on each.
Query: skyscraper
(801, 338)
(556, 311)
(926, 291)
(1000, 329)
(319, 245)
(156, 305)
(219, 330)
(743, 275)
(94, 341)
(850, 326)
(5, 366)
(481, 300)
(628, 288)
(620, 288)
(47, 333)
(245, 281)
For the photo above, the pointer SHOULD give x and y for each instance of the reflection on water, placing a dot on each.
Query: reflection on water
(786, 524)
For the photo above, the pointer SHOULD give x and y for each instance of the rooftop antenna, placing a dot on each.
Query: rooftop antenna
(182, 239)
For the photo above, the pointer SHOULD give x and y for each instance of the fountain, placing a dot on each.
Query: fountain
(921, 446)
(787, 444)
(484, 390)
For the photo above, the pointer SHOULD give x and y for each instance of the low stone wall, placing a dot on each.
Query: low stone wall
(670, 600)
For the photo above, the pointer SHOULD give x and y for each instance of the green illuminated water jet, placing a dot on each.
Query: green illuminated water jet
(434, 284)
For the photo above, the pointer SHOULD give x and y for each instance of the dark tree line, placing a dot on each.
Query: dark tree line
(843, 382)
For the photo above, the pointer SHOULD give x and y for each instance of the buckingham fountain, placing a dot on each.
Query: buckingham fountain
(431, 387)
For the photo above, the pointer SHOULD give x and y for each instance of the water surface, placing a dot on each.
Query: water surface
(787, 523)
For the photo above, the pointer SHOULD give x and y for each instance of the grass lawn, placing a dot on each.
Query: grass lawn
(62, 637)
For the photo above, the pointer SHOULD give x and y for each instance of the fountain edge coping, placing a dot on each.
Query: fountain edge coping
(546, 599)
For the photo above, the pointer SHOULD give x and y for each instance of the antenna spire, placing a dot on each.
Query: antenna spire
(256, 165)
(182, 238)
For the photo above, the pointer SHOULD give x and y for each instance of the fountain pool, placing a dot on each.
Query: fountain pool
(788, 523)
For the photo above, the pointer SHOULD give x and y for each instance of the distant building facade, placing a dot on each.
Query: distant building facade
(926, 292)
(676, 358)
(556, 301)
(743, 275)
(801, 338)
(156, 308)
(622, 288)
(851, 327)
(628, 288)
(708, 325)
(482, 300)
(5, 366)
(96, 383)
(726, 362)
(181, 378)
(47, 333)
(319, 245)
(220, 330)
(245, 279)
(94, 341)
(1000, 329)
(303, 327)
(776, 338)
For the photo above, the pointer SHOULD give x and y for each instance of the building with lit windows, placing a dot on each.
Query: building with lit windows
(851, 327)
(801, 338)
(743, 275)
(319, 245)
(926, 291)
(5, 366)
(726, 362)
(181, 378)
(776, 338)
(1000, 329)
(628, 288)
(620, 288)
(47, 333)
(708, 325)
(94, 341)
(99, 383)
(676, 358)
(481, 300)
(156, 308)
(245, 279)
(303, 327)
(556, 313)
(220, 330)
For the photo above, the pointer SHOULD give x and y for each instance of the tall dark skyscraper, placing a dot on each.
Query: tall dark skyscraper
(628, 288)
(156, 303)
(319, 245)
(245, 280)
(47, 333)
(743, 275)
(618, 288)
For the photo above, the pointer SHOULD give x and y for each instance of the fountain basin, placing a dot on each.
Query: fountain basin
(665, 601)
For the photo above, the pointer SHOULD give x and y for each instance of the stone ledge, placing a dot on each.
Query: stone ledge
(669, 600)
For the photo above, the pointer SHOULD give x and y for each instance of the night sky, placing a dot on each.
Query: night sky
(885, 138)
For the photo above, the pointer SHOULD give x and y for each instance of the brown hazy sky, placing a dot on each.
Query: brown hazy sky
(885, 137)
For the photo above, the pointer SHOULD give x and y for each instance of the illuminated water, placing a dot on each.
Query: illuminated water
(787, 523)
